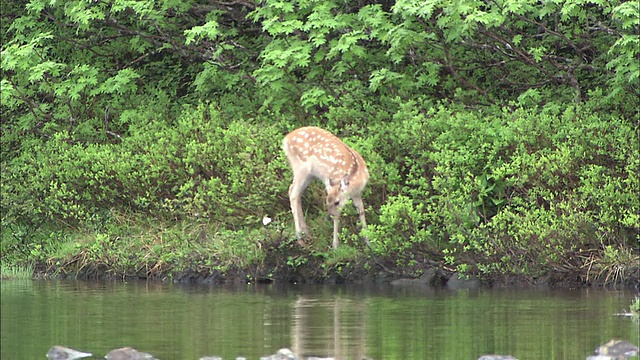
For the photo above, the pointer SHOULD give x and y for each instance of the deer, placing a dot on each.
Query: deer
(317, 153)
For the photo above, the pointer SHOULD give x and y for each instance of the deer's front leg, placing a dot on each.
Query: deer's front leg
(336, 230)
(357, 202)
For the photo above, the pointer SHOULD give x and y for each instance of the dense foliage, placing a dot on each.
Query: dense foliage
(142, 136)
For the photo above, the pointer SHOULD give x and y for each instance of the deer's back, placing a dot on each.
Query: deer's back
(324, 155)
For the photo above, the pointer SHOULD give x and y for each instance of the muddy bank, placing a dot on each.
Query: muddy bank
(366, 271)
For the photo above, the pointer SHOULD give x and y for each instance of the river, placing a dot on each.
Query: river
(175, 322)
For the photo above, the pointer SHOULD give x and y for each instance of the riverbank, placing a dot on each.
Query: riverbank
(526, 197)
(288, 262)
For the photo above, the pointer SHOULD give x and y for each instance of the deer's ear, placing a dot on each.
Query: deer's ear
(344, 183)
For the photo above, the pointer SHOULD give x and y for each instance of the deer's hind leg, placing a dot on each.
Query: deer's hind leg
(300, 183)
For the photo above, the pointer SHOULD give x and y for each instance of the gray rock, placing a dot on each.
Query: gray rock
(211, 358)
(430, 277)
(128, 353)
(282, 354)
(407, 282)
(58, 352)
(456, 282)
(496, 357)
(617, 349)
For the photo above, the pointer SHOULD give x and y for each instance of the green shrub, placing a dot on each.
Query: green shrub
(504, 191)
(201, 165)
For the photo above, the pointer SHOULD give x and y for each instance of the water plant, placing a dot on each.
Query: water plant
(635, 309)
(15, 272)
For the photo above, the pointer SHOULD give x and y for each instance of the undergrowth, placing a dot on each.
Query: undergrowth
(502, 191)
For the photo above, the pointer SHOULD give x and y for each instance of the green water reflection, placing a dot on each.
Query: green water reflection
(349, 322)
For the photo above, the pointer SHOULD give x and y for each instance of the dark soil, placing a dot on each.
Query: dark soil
(365, 272)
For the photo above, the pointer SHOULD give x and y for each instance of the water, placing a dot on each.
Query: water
(176, 322)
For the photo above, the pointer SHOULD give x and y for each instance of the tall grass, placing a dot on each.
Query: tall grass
(635, 309)
(15, 272)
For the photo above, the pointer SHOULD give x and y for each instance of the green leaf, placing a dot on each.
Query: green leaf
(121, 83)
(48, 67)
(209, 30)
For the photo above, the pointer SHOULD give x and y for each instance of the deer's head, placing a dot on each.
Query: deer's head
(337, 195)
